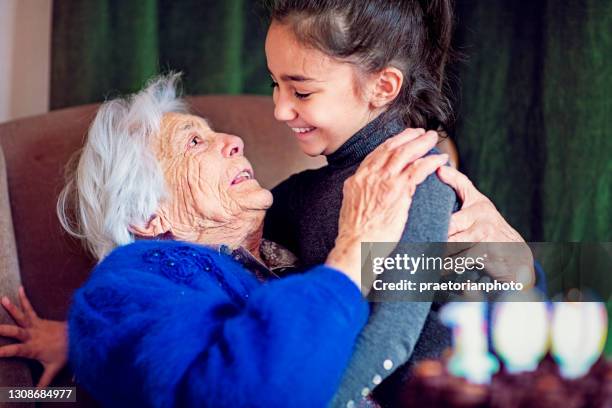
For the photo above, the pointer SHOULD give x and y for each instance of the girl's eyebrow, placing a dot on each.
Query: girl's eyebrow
(296, 78)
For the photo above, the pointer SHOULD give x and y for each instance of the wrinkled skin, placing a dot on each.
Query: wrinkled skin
(204, 206)
(478, 222)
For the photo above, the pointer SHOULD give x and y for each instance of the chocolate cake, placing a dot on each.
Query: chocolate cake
(431, 385)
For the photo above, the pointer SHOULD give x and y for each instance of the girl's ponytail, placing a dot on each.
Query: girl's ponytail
(425, 102)
(438, 17)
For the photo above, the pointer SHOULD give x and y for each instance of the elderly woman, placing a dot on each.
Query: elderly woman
(165, 321)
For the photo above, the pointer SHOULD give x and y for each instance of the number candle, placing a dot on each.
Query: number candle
(520, 334)
(579, 334)
(471, 358)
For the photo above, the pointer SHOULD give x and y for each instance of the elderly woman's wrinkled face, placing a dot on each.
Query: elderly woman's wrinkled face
(207, 175)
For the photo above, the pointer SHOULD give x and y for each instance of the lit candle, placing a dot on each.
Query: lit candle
(470, 358)
(520, 334)
(578, 336)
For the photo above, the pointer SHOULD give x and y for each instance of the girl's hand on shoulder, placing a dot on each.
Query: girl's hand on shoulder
(39, 339)
(378, 196)
(478, 221)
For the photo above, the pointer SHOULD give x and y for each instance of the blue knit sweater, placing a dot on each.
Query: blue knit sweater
(164, 323)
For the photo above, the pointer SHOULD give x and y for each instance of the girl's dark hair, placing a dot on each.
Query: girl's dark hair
(411, 35)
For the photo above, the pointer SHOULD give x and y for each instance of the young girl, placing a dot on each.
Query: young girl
(348, 74)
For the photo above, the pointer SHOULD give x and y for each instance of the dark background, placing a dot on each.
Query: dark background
(533, 93)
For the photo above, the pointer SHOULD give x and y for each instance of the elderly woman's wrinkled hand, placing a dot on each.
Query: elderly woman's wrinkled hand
(378, 196)
(478, 221)
(39, 339)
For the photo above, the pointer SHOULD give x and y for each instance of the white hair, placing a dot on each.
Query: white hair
(118, 181)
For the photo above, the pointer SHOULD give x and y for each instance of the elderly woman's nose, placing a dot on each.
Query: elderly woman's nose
(232, 146)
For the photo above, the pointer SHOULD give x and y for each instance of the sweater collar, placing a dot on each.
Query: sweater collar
(277, 259)
(362, 143)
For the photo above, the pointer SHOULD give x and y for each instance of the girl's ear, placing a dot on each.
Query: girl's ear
(156, 226)
(387, 85)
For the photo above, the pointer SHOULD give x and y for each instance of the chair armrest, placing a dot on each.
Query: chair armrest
(13, 372)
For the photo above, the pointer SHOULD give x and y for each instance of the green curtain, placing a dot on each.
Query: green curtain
(535, 116)
(535, 113)
(101, 48)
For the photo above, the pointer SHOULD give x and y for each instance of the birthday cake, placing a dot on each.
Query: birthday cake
(542, 356)
(432, 385)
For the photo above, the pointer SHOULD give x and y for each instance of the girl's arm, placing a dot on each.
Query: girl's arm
(394, 328)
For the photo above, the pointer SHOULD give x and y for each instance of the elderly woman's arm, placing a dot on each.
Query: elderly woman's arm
(174, 324)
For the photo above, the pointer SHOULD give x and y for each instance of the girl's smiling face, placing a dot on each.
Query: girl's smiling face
(322, 100)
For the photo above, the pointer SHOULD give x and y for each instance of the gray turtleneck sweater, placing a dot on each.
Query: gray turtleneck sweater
(304, 218)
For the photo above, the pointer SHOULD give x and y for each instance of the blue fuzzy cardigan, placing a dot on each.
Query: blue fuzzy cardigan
(163, 323)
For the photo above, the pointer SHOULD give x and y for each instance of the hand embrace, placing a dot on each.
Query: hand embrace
(40, 339)
(479, 221)
(378, 196)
